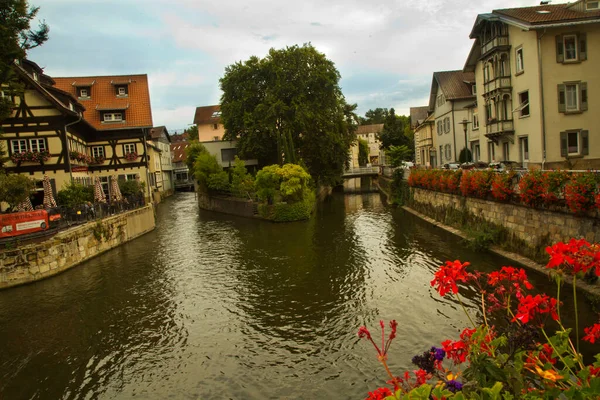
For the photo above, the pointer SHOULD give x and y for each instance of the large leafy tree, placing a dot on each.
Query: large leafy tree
(394, 131)
(16, 38)
(289, 107)
(376, 116)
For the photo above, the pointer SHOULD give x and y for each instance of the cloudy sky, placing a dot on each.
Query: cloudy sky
(385, 50)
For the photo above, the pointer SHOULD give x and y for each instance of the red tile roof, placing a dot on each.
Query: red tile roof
(208, 115)
(548, 13)
(178, 151)
(373, 128)
(102, 97)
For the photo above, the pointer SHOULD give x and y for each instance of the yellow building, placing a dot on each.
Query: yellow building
(74, 129)
(425, 150)
(536, 71)
(208, 121)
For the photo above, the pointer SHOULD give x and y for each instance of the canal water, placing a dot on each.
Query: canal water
(210, 306)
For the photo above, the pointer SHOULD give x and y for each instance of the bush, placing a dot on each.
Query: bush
(205, 165)
(502, 186)
(131, 187)
(218, 182)
(242, 183)
(14, 188)
(554, 186)
(580, 192)
(363, 152)
(75, 194)
(288, 212)
(531, 188)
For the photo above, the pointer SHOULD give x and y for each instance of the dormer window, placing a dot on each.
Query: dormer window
(113, 117)
(121, 91)
(592, 5)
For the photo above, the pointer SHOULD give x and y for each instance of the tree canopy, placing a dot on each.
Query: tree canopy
(289, 107)
(376, 116)
(16, 38)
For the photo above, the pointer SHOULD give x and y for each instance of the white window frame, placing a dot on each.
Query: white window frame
(83, 93)
(520, 63)
(576, 58)
(21, 145)
(34, 145)
(129, 148)
(491, 151)
(596, 7)
(448, 151)
(524, 154)
(574, 86)
(475, 121)
(113, 117)
(98, 151)
(578, 136)
(121, 91)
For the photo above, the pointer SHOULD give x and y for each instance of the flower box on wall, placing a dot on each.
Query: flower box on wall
(131, 156)
(30, 156)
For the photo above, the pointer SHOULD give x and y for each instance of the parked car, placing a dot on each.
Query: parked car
(453, 165)
(407, 164)
(505, 166)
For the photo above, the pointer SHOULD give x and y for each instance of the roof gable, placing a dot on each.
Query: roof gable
(103, 97)
(455, 85)
(372, 128)
(208, 115)
(418, 115)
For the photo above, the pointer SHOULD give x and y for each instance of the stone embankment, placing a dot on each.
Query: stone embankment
(71, 247)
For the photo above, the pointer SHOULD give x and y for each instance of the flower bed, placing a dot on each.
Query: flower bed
(516, 361)
(548, 189)
(30, 156)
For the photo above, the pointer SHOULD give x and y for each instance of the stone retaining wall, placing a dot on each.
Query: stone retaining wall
(535, 227)
(241, 207)
(71, 247)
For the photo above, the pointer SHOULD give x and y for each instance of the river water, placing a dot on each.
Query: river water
(210, 306)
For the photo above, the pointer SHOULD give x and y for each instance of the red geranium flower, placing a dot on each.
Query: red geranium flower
(531, 307)
(592, 333)
(449, 274)
(379, 394)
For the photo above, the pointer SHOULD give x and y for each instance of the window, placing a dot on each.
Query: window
(18, 145)
(505, 151)
(524, 150)
(216, 138)
(215, 126)
(488, 113)
(84, 92)
(105, 185)
(572, 97)
(475, 121)
(473, 89)
(570, 44)
(448, 152)
(519, 60)
(447, 124)
(574, 143)
(113, 117)
(440, 100)
(441, 155)
(476, 152)
(37, 145)
(97, 151)
(491, 152)
(121, 90)
(129, 148)
(571, 48)
(228, 155)
(592, 5)
(439, 128)
(523, 108)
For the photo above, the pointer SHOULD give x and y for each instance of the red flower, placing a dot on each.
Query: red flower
(448, 275)
(574, 257)
(456, 351)
(531, 307)
(592, 333)
(379, 394)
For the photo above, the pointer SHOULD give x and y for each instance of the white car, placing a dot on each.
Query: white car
(407, 164)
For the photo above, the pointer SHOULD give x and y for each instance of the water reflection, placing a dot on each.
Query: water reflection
(212, 306)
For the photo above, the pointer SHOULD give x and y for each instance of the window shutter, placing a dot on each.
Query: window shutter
(583, 96)
(585, 144)
(562, 107)
(582, 46)
(563, 144)
(560, 56)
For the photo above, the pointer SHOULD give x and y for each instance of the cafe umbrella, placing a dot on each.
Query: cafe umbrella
(99, 196)
(48, 196)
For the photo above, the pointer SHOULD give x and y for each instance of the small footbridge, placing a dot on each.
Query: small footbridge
(360, 172)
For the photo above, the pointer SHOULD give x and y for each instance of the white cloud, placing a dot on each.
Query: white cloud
(173, 118)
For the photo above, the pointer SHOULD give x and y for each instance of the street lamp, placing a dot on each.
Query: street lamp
(464, 123)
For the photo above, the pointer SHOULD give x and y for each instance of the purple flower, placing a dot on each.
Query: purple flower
(454, 386)
(438, 353)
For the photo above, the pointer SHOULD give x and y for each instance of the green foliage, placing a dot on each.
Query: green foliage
(288, 106)
(393, 133)
(75, 194)
(192, 152)
(363, 152)
(218, 182)
(288, 183)
(267, 183)
(398, 154)
(205, 165)
(376, 116)
(14, 188)
(192, 133)
(484, 235)
(465, 156)
(288, 212)
(130, 187)
(242, 183)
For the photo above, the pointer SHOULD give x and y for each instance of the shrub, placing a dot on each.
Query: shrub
(532, 188)
(267, 183)
(218, 182)
(130, 187)
(580, 192)
(363, 152)
(14, 188)
(288, 212)
(242, 183)
(554, 185)
(205, 165)
(502, 186)
(75, 194)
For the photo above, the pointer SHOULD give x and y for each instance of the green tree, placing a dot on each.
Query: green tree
(192, 152)
(376, 116)
(289, 107)
(242, 183)
(465, 155)
(393, 133)
(16, 38)
(75, 194)
(192, 133)
(398, 154)
(363, 152)
(14, 188)
(288, 183)
(206, 164)
(267, 183)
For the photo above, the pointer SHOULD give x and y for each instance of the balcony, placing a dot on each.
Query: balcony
(497, 42)
(495, 84)
(495, 129)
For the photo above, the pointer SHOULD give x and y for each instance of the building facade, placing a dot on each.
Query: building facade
(451, 93)
(161, 166)
(208, 121)
(370, 134)
(537, 83)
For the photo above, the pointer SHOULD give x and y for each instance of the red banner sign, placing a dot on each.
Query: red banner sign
(20, 223)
